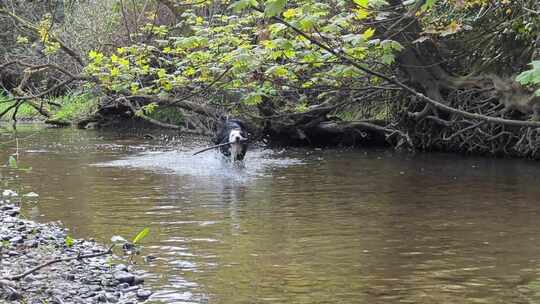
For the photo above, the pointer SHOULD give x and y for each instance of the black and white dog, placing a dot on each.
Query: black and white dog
(232, 131)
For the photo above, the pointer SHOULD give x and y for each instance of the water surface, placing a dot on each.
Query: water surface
(295, 225)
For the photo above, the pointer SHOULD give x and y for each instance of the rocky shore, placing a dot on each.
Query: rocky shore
(80, 271)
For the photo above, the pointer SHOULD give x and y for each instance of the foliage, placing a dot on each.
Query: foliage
(141, 235)
(281, 58)
(69, 241)
(531, 77)
(168, 115)
(75, 106)
(262, 58)
(25, 111)
(14, 164)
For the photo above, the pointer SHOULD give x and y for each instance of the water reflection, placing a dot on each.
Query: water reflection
(331, 226)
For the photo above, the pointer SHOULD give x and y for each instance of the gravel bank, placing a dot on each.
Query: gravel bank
(25, 245)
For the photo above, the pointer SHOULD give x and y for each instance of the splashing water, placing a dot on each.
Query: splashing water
(212, 165)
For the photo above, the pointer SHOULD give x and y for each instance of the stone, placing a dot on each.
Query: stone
(111, 298)
(121, 267)
(138, 280)
(123, 285)
(16, 240)
(143, 294)
(124, 277)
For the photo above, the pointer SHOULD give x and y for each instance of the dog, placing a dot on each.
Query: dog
(232, 131)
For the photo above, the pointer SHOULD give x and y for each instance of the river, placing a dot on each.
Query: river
(293, 225)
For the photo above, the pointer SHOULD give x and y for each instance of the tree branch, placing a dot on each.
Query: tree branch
(27, 24)
(393, 80)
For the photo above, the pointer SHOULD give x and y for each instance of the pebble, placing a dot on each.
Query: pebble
(28, 244)
(124, 277)
(123, 285)
(111, 298)
(138, 280)
(9, 193)
(143, 294)
(31, 194)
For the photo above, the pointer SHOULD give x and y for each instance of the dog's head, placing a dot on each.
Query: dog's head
(235, 136)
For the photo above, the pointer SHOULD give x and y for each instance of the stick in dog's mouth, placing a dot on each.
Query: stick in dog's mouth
(220, 145)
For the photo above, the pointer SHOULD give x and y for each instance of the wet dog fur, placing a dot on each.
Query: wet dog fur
(232, 130)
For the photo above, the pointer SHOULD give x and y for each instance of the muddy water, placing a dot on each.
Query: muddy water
(293, 226)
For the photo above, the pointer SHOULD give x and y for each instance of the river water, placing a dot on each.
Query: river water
(295, 225)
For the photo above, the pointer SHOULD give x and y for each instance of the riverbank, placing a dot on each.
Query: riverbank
(85, 273)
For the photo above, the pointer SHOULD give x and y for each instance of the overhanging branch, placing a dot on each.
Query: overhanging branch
(393, 80)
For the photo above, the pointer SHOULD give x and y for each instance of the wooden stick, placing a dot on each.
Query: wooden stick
(213, 147)
(78, 257)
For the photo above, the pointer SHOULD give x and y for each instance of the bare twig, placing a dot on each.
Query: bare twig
(200, 91)
(29, 25)
(59, 260)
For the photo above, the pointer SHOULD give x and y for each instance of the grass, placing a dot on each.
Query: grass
(168, 115)
(74, 107)
(25, 112)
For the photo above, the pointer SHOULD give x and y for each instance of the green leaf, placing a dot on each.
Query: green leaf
(141, 235)
(69, 241)
(362, 3)
(12, 162)
(525, 77)
(279, 71)
(388, 59)
(307, 23)
(274, 7)
(428, 5)
(252, 99)
(368, 33)
(243, 4)
(537, 93)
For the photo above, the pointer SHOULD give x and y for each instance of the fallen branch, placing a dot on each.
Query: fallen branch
(59, 260)
(184, 104)
(139, 113)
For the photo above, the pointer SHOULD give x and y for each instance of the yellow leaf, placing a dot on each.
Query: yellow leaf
(123, 62)
(368, 33)
(199, 20)
(167, 86)
(289, 13)
(115, 71)
(134, 88)
(361, 3)
(361, 13)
